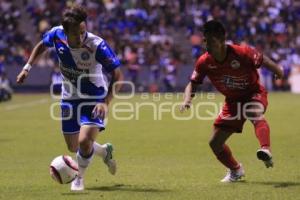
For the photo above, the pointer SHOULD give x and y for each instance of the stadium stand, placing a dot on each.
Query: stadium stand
(158, 40)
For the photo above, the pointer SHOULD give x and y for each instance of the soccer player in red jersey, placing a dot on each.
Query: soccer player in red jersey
(232, 69)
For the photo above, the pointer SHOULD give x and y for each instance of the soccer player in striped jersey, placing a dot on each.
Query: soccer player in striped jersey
(86, 61)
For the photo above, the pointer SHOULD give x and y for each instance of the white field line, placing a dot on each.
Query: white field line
(26, 105)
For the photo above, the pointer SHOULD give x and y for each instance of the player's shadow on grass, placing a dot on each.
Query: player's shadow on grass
(80, 193)
(278, 184)
(127, 188)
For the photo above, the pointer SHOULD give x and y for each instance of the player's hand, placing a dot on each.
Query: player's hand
(280, 74)
(185, 106)
(22, 76)
(100, 111)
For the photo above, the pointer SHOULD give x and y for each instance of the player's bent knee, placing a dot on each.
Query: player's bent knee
(215, 145)
(218, 140)
(255, 113)
(254, 118)
(211, 143)
(86, 146)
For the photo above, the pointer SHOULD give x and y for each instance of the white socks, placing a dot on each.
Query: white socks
(100, 150)
(83, 162)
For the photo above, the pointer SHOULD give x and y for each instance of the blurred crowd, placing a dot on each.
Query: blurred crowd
(14, 47)
(159, 37)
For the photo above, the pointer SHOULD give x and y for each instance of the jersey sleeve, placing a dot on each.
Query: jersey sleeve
(199, 72)
(48, 37)
(255, 57)
(106, 56)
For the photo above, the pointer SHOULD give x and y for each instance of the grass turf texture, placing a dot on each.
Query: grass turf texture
(164, 159)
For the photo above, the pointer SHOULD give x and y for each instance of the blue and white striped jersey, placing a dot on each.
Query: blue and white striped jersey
(83, 69)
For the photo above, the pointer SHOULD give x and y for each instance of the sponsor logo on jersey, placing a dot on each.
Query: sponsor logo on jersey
(72, 74)
(233, 82)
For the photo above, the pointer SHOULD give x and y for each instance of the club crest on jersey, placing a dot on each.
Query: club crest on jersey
(85, 55)
(235, 64)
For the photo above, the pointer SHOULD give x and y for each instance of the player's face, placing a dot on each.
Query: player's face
(76, 35)
(212, 44)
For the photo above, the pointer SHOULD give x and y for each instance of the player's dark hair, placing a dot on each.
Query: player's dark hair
(73, 17)
(214, 28)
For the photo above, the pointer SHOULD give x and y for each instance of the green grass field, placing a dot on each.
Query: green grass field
(158, 159)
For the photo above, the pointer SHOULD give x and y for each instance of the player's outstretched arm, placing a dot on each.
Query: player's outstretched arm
(36, 52)
(189, 93)
(272, 66)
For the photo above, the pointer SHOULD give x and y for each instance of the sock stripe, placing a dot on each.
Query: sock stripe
(86, 156)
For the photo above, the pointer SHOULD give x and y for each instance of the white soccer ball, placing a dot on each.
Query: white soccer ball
(63, 169)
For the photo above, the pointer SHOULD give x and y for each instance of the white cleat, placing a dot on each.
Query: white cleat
(234, 175)
(77, 184)
(109, 161)
(265, 156)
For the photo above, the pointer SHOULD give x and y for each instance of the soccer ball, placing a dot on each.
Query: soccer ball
(63, 169)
